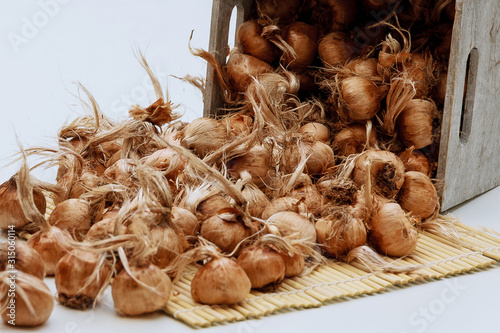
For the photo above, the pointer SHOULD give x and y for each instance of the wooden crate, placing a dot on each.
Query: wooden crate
(469, 156)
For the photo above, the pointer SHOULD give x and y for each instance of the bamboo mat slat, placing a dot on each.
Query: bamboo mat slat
(439, 256)
(477, 240)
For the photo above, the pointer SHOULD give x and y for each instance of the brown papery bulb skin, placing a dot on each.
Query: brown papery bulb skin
(256, 162)
(170, 244)
(415, 123)
(110, 148)
(387, 172)
(391, 54)
(211, 206)
(174, 136)
(204, 135)
(439, 90)
(311, 197)
(415, 160)
(335, 15)
(339, 232)
(364, 67)
(362, 97)
(76, 285)
(339, 191)
(284, 204)
(221, 281)
(87, 180)
(73, 215)
(168, 161)
(27, 260)
(52, 245)
(39, 298)
(360, 209)
(133, 299)
(313, 110)
(418, 195)
(352, 140)
(11, 213)
(291, 224)
(419, 69)
(78, 143)
(321, 157)
(111, 214)
(226, 235)
(315, 131)
(295, 264)
(65, 183)
(105, 229)
(238, 125)
(391, 232)
(345, 13)
(282, 10)
(113, 159)
(250, 41)
(290, 158)
(262, 265)
(303, 38)
(257, 201)
(121, 172)
(185, 221)
(95, 166)
(335, 49)
(242, 68)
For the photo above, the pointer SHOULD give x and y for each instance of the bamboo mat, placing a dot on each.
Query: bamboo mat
(439, 256)
(338, 280)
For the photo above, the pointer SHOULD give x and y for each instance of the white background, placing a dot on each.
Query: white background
(92, 42)
(48, 46)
